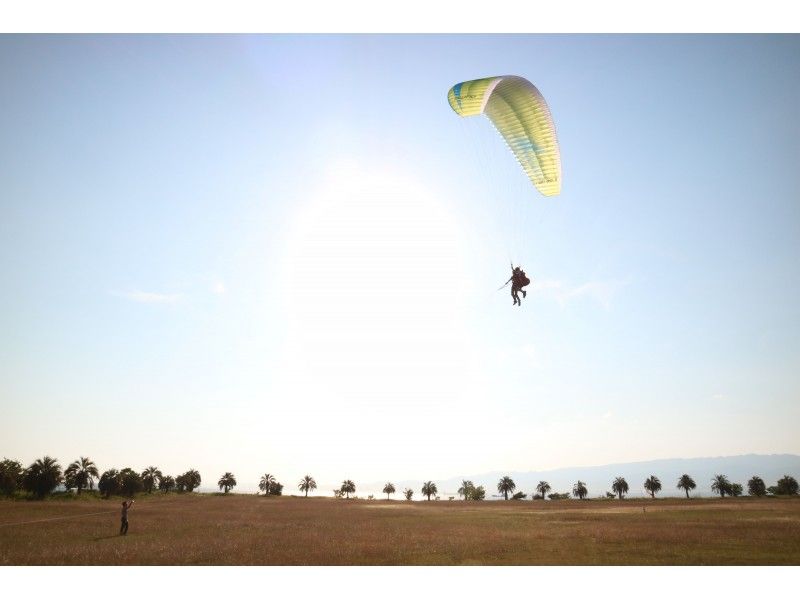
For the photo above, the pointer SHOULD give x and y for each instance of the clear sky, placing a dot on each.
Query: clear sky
(281, 254)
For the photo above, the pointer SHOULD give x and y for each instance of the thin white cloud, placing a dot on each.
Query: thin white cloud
(603, 292)
(219, 288)
(147, 297)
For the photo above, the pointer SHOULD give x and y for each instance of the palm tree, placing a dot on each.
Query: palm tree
(388, 489)
(150, 477)
(686, 483)
(652, 485)
(80, 474)
(266, 481)
(720, 485)
(348, 487)
(306, 484)
(429, 489)
(620, 486)
(42, 477)
(408, 493)
(506, 485)
(543, 488)
(466, 489)
(227, 481)
(580, 490)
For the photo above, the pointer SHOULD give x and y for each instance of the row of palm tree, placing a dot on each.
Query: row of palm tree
(720, 485)
(44, 475)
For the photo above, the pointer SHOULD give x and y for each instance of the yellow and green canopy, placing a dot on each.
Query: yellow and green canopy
(520, 114)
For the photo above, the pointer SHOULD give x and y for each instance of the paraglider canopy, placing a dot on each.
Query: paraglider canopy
(520, 114)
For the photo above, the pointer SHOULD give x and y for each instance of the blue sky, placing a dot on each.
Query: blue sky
(280, 253)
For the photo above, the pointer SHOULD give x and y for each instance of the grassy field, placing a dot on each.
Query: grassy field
(246, 529)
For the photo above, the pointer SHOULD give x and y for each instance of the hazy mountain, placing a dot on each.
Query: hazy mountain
(598, 478)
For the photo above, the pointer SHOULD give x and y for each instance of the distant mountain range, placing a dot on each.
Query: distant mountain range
(598, 478)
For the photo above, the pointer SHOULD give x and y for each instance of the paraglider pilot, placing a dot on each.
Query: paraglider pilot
(518, 280)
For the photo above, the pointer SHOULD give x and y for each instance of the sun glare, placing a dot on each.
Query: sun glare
(375, 277)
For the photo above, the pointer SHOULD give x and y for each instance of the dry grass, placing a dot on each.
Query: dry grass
(239, 530)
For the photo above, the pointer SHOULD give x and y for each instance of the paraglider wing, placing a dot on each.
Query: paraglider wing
(520, 114)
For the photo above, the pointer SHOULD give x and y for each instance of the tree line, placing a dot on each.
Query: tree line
(45, 475)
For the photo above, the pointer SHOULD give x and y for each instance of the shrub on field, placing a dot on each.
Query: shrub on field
(166, 484)
(756, 486)
(557, 496)
(519, 496)
(109, 483)
(130, 482)
(189, 481)
(408, 493)
(787, 486)
(467, 487)
(736, 489)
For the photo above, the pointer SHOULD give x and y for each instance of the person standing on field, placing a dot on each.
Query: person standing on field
(123, 529)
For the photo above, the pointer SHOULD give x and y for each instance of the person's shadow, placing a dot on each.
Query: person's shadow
(106, 537)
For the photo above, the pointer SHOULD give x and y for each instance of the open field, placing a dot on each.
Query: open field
(246, 529)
